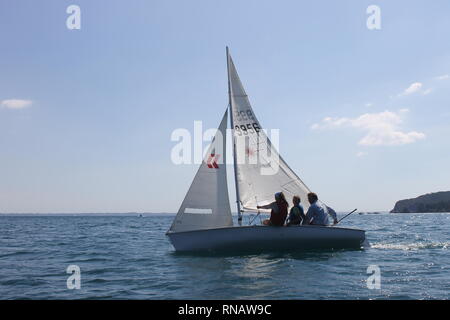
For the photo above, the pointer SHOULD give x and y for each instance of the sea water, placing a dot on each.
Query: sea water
(129, 257)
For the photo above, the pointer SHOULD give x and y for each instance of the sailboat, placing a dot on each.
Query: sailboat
(204, 220)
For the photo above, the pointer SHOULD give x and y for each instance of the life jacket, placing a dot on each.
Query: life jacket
(278, 218)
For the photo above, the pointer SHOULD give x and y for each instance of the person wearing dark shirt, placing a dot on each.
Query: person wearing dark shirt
(297, 214)
(278, 212)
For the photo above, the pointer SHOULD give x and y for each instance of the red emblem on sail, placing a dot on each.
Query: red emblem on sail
(212, 161)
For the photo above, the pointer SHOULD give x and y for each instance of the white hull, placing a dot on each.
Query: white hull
(263, 238)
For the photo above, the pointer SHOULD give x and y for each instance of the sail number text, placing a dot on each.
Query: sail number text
(244, 129)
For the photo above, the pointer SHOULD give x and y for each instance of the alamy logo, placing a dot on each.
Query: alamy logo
(74, 280)
(374, 280)
(252, 146)
(374, 20)
(73, 21)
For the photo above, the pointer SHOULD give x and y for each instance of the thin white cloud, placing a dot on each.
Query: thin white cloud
(443, 77)
(16, 103)
(361, 154)
(381, 129)
(427, 91)
(369, 104)
(414, 87)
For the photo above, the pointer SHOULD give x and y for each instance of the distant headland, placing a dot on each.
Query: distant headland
(431, 202)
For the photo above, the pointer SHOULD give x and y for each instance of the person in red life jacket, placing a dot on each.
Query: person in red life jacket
(278, 212)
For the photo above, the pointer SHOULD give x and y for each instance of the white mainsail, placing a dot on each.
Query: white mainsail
(206, 204)
(260, 170)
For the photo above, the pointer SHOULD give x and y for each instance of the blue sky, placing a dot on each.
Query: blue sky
(86, 115)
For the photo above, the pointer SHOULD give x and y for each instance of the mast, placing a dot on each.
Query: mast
(238, 200)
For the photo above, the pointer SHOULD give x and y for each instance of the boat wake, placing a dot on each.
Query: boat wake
(411, 246)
